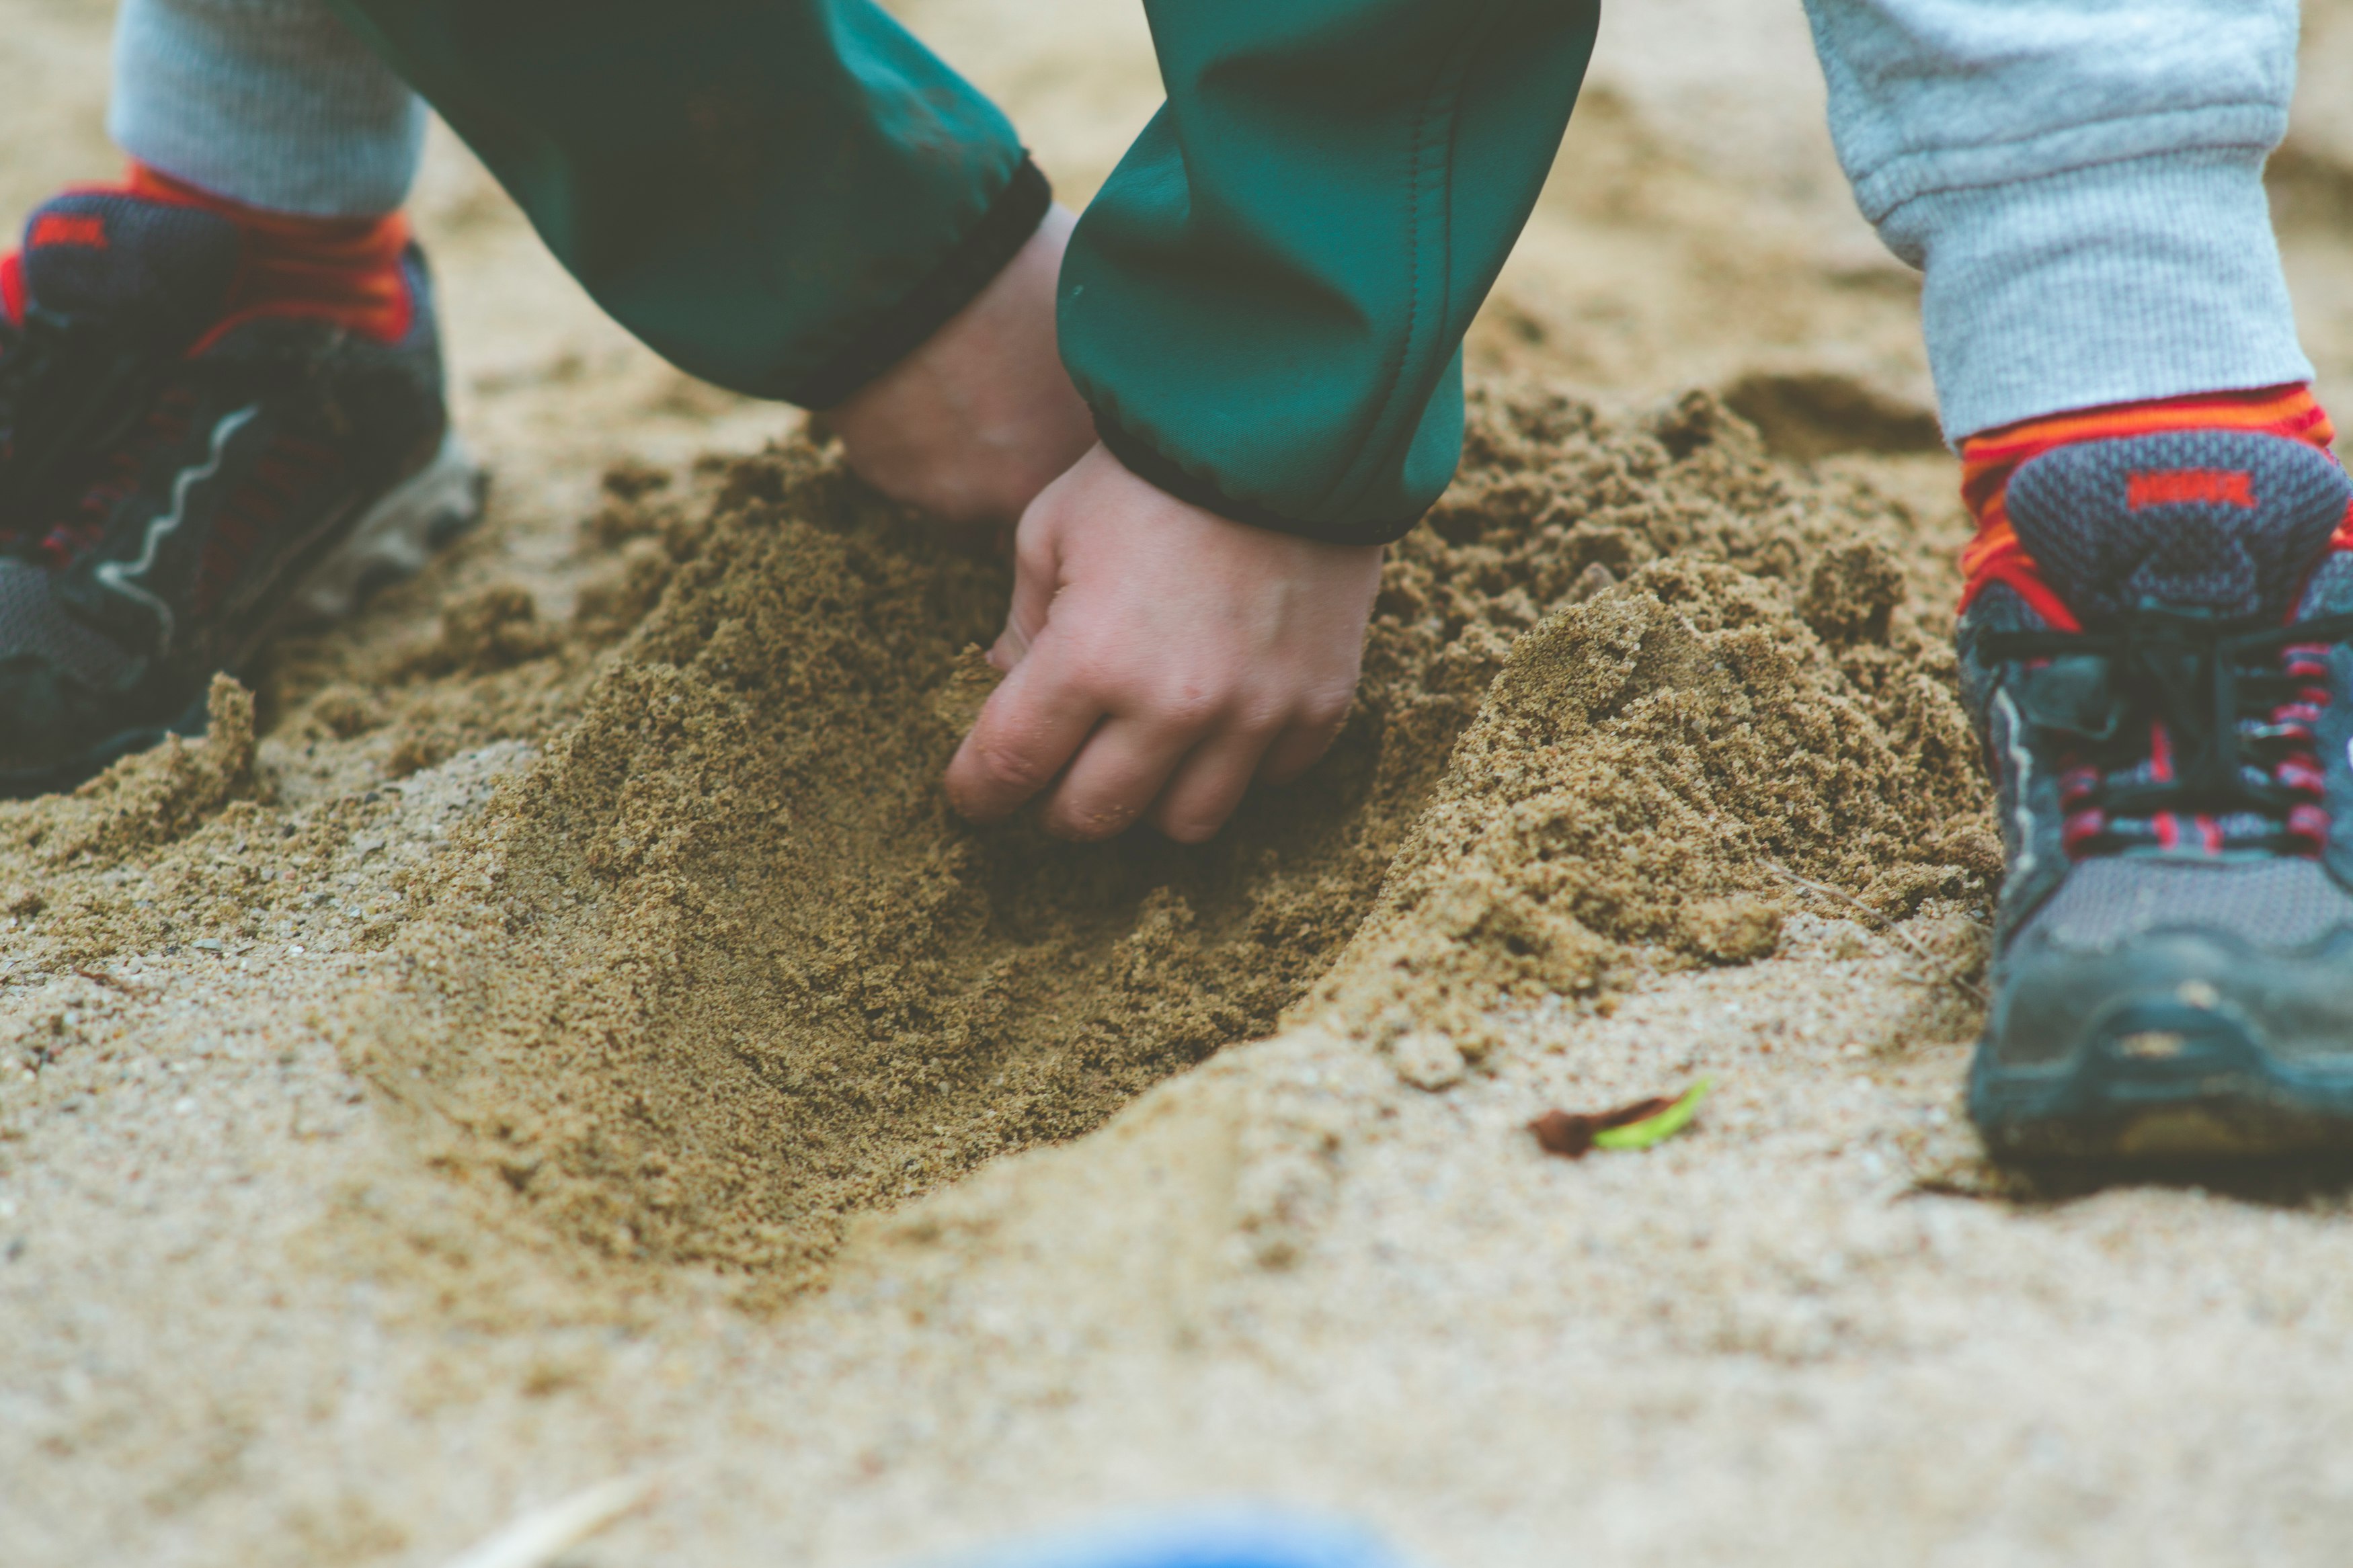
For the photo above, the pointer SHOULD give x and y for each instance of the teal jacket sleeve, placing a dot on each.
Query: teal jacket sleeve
(783, 196)
(1265, 306)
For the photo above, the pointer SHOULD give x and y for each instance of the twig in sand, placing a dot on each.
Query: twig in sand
(539, 1537)
(136, 992)
(1880, 918)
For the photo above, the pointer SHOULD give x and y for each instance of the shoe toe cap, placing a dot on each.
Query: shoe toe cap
(2147, 960)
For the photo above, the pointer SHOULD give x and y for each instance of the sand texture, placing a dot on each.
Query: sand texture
(552, 1030)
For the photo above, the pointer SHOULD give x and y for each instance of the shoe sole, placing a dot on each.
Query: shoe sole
(393, 539)
(2161, 1081)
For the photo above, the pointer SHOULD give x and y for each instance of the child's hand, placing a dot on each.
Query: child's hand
(975, 423)
(1158, 658)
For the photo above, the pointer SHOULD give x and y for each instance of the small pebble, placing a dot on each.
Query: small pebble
(1427, 1059)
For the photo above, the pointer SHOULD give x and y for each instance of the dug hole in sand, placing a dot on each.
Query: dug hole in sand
(719, 970)
(553, 1030)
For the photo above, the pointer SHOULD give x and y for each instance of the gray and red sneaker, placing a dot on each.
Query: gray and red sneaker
(189, 462)
(2161, 664)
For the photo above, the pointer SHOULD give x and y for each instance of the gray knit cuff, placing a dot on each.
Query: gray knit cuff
(2145, 278)
(270, 102)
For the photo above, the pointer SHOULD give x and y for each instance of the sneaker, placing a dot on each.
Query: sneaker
(181, 473)
(2162, 679)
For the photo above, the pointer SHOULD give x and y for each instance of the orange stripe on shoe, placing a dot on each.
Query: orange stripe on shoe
(345, 271)
(1988, 459)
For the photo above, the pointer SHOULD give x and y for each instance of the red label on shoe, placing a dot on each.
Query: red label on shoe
(70, 228)
(2182, 487)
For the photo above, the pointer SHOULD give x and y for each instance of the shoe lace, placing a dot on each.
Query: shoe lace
(2189, 733)
(69, 389)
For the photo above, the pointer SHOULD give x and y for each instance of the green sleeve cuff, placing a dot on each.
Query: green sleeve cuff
(1202, 488)
(1265, 306)
(782, 196)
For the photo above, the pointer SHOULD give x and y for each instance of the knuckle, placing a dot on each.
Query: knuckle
(1034, 555)
(1194, 704)
(1092, 667)
(1008, 768)
(1189, 709)
(1326, 709)
(1104, 679)
(1263, 720)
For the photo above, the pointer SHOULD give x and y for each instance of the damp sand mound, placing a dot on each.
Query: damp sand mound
(1740, 718)
(719, 970)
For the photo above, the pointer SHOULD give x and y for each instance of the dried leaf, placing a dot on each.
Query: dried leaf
(1572, 1134)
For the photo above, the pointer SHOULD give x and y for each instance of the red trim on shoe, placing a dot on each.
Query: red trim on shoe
(2343, 538)
(12, 288)
(1988, 459)
(2008, 564)
(86, 229)
(383, 330)
(2190, 487)
(345, 271)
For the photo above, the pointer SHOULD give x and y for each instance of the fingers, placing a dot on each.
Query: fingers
(1031, 725)
(1298, 747)
(1115, 777)
(1103, 762)
(1158, 656)
(1046, 730)
(1208, 784)
(1185, 780)
(1036, 576)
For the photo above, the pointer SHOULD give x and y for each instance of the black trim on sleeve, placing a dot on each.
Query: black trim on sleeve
(1154, 467)
(977, 257)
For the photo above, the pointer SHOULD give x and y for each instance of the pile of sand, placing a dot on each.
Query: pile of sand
(1738, 707)
(721, 970)
(263, 1313)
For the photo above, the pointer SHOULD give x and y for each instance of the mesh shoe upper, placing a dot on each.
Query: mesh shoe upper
(2214, 522)
(171, 466)
(108, 290)
(2173, 767)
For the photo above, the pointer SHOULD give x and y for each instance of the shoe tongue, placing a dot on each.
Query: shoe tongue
(110, 256)
(2219, 520)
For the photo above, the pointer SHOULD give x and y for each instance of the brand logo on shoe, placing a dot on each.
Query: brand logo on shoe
(2190, 487)
(69, 228)
(126, 577)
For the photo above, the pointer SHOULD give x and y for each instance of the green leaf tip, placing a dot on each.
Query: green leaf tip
(1656, 1128)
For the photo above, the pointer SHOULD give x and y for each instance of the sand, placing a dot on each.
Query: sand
(552, 1030)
